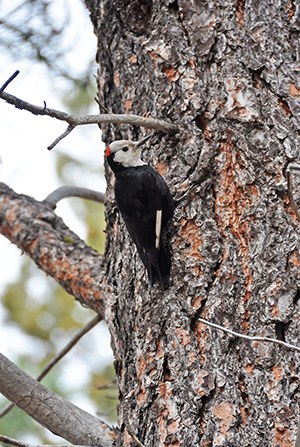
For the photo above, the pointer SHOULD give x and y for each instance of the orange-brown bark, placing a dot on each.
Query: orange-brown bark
(42, 235)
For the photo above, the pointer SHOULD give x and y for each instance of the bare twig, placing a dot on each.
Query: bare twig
(73, 191)
(60, 355)
(63, 135)
(11, 78)
(73, 121)
(6, 410)
(105, 386)
(249, 337)
(92, 323)
(15, 442)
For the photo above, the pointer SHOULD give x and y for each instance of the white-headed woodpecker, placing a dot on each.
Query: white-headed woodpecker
(146, 205)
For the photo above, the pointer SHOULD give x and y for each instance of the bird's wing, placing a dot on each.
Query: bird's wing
(146, 205)
(140, 197)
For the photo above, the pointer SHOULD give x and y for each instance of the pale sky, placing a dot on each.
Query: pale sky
(28, 167)
(26, 164)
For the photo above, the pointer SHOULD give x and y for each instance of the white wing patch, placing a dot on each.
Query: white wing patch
(158, 228)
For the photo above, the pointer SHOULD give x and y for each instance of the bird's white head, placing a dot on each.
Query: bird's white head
(125, 152)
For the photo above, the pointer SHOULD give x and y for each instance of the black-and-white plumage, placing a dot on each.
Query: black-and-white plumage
(146, 205)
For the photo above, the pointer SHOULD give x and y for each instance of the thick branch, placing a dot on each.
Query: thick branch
(52, 411)
(42, 235)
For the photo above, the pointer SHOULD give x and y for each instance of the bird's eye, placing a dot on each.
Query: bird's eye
(125, 149)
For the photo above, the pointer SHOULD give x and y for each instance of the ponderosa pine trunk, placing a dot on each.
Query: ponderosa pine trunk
(227, 73)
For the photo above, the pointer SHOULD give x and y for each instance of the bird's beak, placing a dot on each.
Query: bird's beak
(143, 140)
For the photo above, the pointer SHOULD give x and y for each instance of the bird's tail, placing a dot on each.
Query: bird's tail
(158, 266)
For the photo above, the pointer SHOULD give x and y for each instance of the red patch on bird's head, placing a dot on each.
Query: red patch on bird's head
(107, 151)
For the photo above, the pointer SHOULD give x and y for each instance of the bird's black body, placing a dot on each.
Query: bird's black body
(140, 191)
(142, 197)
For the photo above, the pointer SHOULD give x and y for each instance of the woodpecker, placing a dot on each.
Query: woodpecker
(146, 205)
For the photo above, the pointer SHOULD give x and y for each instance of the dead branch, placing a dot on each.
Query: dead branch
(9, 80)
(73, 191)
(60, 253)
(74, 121)
(92, 323)
(61, 137)
(249, 337)
(49, 409)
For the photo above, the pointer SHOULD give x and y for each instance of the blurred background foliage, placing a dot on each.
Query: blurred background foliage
(38, 314)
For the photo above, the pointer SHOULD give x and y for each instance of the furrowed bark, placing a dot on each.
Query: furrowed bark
(227, 72)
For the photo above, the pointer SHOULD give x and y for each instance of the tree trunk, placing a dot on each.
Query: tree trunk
(228, 74)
